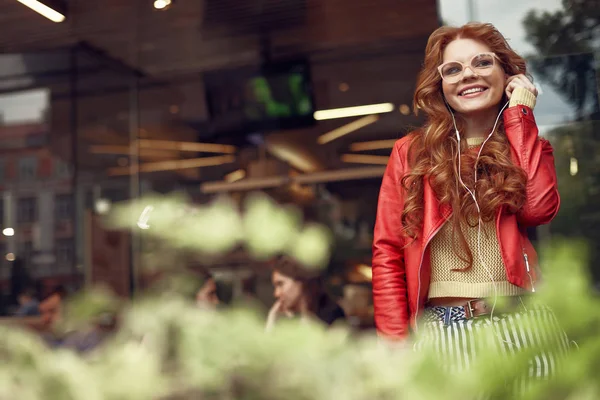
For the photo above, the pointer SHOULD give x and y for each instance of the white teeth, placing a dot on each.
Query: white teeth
(473, 90)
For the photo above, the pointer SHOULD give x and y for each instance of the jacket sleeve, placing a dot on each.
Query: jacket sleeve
(535, 156)
(389, 279)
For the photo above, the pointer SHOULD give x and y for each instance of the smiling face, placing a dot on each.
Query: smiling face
(472, 94)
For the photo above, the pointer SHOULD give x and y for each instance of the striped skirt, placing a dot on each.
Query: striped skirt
(530, 337)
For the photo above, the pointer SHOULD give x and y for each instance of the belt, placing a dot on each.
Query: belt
(477, 308)
(471, 309)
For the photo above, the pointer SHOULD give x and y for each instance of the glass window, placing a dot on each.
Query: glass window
(63, 207)
(27, 210)
(25, 107)
(64, 252)
(25, 251)
(4, 272)
(28, 168)
(2, 168)
(61, 169)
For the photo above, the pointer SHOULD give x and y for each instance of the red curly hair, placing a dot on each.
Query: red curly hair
(433, 148)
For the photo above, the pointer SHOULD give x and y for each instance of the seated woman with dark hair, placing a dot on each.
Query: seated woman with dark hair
(207, 296)
(299, 291)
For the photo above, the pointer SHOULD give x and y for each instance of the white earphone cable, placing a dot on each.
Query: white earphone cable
(480, 221)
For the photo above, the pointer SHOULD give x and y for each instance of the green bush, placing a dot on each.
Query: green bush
(168, 349)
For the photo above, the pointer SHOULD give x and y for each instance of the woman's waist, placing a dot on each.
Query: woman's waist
(466, 308)
(483, 303)
(449, 301)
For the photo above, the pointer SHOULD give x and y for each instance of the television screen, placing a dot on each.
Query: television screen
(276, 96)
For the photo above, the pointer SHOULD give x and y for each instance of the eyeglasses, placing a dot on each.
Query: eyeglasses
(481, 64)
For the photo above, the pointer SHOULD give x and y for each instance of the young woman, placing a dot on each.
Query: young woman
(457, 196)
(299, 292)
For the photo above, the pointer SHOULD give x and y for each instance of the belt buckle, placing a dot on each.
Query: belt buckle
(470, 308)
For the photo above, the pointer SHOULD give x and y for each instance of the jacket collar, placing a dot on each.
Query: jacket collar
(433, 213)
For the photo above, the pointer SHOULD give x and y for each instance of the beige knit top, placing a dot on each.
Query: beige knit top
(447, 279)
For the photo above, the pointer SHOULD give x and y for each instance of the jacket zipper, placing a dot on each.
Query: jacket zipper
(420, 266)
(528, 269)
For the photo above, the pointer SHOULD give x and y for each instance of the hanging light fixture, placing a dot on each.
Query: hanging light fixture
(162, 4)
(356, 111)
(54, 10)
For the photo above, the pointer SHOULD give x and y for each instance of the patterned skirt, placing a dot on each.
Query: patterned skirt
(532, 331)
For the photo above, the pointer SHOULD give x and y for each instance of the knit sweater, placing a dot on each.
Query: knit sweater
(450, 276)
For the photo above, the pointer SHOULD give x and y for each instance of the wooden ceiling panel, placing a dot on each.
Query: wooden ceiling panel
(200, 35)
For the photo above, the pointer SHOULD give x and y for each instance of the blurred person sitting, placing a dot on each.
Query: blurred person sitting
(28, 303)
(206, 296)
(51, 312)
(299, 292)
(51, 307)
(84, 340)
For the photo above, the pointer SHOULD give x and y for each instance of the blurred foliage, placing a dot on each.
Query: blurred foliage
(86, 306)
(167, 349)
(265, 229)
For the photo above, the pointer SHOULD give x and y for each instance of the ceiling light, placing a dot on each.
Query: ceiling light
(53, 10)
(346, 129)
(172, 165)
(162, 4)
(8, 232)
(373, 145)
(297, 159)
(235, 175)
(127, 150)
(102, 206)
(366, 271)
(354, 111)
(365, 159)
(147, 145)
(340, 175)
(404, 109)
(142, 222)
(573, 166)
(187, 146)
(245, 184)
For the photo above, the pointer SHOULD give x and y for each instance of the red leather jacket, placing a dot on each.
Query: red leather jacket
(401, 274)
